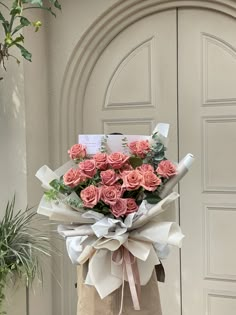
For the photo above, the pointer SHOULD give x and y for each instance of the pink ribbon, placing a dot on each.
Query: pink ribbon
(129, 263)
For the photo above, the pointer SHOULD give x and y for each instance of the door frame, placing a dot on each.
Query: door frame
(80, 65)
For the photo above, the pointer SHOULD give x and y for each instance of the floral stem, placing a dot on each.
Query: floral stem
(3, 4)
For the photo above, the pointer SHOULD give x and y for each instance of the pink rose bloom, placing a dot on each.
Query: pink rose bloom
(132, 147)
(166, 169)
(109, 177)
(90, 196)
(117, 159)
(145, 168)
(150, 181)
(109, 194)
(139, 148)
(101, 161)
(74, 177)
(88, 167)
(131, 206)
(119, 208)
(132, 180)
(77, 151)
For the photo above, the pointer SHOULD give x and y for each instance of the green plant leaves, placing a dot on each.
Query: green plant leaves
(153, 200)
(135, 161)
(37, 2)
(157, 154)
(152, 197)
(59, 186)
(51, 194)
(16, 10)
(2, 18)
(11, 25)
(24, 52)
(23, 23)
(21, 247)
(56, 4)
(5, 23)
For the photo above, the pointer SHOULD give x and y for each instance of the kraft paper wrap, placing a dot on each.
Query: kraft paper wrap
(89, 302)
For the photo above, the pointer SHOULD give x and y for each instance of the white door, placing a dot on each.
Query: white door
(132, 87)
(207, 127)
(179, 66)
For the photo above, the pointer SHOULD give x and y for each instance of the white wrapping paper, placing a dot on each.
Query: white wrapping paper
(146, 242)
(182, 169)
(94, 238)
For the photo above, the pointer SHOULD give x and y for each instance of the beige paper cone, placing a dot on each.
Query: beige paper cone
(89, 302)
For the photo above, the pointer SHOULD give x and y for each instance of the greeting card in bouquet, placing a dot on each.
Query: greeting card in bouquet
(110, 195)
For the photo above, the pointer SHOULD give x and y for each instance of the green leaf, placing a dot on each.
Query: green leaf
(59, 186)
(135, 161)
(159, 157)
(24, 52)
(5, 23)
(104, 210)
(56, 4)
(56, 184)
(51, 194)
(37, 2)
(75, 203)
(49, 10)
(2, 17)
(157, 147)
(19, 39)
(23, 22)
(5, 26)
(16, 10)
(153, 199)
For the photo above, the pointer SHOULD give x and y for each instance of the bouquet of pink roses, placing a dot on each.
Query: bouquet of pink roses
(115, 184)
(110, 202)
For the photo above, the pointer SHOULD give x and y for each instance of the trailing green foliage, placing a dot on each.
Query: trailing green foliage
(21, 246)
(13, 21)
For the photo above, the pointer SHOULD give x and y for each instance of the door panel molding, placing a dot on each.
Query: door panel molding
(142, 52)
(94, 41)
(213, 180)
(211, 94)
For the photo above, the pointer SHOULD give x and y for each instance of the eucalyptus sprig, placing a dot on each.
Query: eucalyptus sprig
(13, 20)
(157, 152)
(103, 148)
(21, 247)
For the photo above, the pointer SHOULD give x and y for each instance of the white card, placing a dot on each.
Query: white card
(113, 144)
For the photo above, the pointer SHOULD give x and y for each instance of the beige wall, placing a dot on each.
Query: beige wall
(13, 155)
(29, 102)
(24, 146)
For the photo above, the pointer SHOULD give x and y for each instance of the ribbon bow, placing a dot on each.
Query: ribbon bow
(129, 265)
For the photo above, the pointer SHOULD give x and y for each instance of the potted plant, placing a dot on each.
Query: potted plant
(22, 245)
